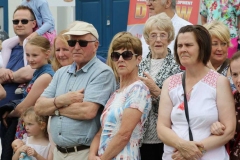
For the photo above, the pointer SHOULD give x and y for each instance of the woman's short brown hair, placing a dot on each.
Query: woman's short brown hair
(203, 39)
(128, 41)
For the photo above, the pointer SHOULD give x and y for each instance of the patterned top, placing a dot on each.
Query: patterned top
(135, 96)
(225, 11)
(203, 112)
(168, 68)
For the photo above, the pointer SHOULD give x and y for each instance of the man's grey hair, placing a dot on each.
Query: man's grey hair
(173, 3)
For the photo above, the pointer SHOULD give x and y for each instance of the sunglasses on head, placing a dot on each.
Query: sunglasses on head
(23, 21)
(126, 55)
(81, 43)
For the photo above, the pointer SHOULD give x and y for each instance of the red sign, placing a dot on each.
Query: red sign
(138, 13)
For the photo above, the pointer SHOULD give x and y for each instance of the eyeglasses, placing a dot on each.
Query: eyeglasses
(81, 43)
(126, 55)
(23, 21)
(223, 44)
(162, 36)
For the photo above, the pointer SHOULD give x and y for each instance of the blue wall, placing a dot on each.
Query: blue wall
(108, 16)
(4, 4)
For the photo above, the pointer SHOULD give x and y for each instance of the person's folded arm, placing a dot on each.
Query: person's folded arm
(2, 92)
(130, 118)
(62, 103)
(45, 106)
(23, 75)
(226, 113)
(80, 111)
(93, 152)
(37, 88)
(188, 149)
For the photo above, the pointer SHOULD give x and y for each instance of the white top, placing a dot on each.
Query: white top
(177, 24)
(155, 65)
(41, 150)
(202, 109)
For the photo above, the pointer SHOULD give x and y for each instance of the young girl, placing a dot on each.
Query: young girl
(37, 143)
(45, 27)
(234, 144)
(37, 53)
(217, 128)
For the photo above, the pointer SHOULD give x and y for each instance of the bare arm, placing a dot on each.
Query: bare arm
(225, 104)
(18, 152)
(94, 146)
(189, 149)
(80, 111)
(130, 118)
(23, 75)
(32, 152)
(45, 106)
(38, 87)
(2, 92)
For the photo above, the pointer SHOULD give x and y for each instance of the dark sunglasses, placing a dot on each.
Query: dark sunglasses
(81, 43)
(126, 55)
(23, 21)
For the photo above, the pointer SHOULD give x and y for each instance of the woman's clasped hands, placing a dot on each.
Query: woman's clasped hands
(188, 150)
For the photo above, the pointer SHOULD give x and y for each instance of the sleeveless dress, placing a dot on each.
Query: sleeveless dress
(41, 150)
(203, 113)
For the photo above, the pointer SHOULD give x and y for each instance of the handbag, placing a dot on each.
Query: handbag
(186, 107)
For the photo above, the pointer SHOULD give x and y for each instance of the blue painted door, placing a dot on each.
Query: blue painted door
(4, 15)
(108, 16)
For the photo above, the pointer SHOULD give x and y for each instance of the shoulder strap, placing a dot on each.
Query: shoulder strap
(224, 65)
(186, 107)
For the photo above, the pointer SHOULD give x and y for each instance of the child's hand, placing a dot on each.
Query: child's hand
(32, 35)
(23, 148)
(31, 152)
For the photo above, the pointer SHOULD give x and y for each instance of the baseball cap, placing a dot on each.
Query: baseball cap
(82, 28)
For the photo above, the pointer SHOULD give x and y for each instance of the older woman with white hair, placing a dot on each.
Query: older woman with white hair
(153, 70)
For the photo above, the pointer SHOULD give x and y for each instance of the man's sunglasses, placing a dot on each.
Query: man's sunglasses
(23, 21)
(81, 43)
(126, 55)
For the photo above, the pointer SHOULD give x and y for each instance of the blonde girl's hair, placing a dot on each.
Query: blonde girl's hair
(41, 42)
(39, 119)
(55, 64)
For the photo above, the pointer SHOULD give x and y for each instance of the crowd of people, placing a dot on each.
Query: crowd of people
(173, 94)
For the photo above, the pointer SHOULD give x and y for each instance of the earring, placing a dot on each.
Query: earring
(137, 65)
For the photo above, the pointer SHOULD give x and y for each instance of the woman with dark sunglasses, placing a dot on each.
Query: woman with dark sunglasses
(127, 109)
(154, 69)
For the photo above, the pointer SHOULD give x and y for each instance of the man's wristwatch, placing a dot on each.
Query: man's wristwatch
(57, 112)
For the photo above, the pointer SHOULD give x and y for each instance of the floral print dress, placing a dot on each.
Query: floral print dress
(225, 11)
(135, 96)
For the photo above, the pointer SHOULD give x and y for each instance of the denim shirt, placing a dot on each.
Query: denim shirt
(98, 82)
